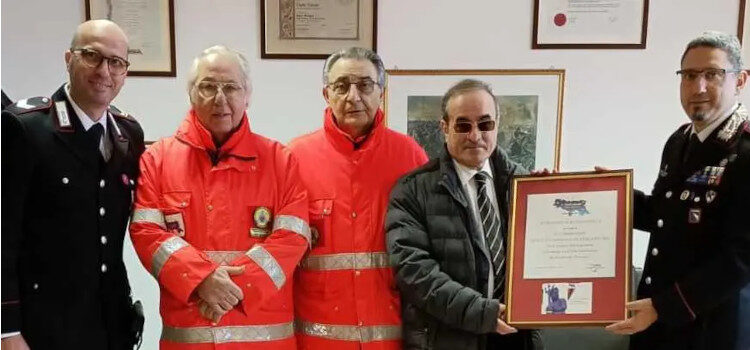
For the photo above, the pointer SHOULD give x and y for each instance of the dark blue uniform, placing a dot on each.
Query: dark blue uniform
(64, 215)
(698, 258)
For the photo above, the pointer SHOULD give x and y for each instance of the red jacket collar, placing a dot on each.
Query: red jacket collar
(193, 133)
(344, 141)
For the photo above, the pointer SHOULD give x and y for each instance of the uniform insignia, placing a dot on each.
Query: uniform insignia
(694, 216)
(684, 195)
(710, 196)
(120, 114)
(174, 224)
(733, 124)
(63, 120)
(261, 218)
(125, 180)
(663, 171)
(723, 162)
(29, 105)
(314, 235)
(732, 157)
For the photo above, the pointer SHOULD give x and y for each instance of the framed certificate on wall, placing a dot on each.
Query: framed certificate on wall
(569, 243)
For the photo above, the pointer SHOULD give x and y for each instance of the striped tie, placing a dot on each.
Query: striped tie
(492, 235)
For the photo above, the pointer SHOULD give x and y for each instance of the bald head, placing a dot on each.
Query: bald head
(99, 28)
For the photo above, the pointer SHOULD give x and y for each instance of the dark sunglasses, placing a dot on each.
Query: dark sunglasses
(465, 127)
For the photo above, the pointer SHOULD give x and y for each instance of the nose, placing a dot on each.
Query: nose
(474, 135)
(220, 98)
(103, 68)
(353, 94)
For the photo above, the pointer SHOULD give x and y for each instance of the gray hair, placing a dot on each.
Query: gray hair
(462, 87)
(355, 53)
(224, 51)
(718, 40)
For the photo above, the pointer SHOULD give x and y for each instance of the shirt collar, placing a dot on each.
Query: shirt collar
(85, 119)
(706, 132)
(465, 174)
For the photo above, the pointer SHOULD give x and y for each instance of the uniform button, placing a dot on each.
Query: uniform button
(104, 268)
(335, 308)
(102, 211)
(183, 204)
(103, 239)
(184, 275)
(655, 251)
(326, 211)
(648, 280)
(361, 323)
(354, 214)
(660, 223)
(210, 207)
(253, 167)
(668, 194)
(65, 180)
(697, 199)
(36, 286)
(357, 273)
(102, 183)
(44, 99)
(132, 182)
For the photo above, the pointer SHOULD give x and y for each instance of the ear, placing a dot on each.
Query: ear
(741, 80)
(325, 95)
(444, 126)
(68, 58)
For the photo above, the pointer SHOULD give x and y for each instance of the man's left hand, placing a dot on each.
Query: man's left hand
(542, 172)
(644, 316)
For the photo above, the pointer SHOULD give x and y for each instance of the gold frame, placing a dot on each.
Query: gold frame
(478, 74)
(628, 174)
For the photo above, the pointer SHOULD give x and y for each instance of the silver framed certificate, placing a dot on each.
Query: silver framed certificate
(149, 26)
(590, 24)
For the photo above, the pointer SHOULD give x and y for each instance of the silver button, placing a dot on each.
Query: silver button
(104, 268)
(655, 251)
(104, 239)
(648, 280)
(697, 199)
(36, 286)
(44, 99)
(131, 182)
(102, 211)
(65, 181)
(660, 223)
(102, 183)
(668, 194)
(354, 214)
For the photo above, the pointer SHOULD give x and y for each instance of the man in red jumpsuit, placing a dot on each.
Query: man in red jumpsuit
(220, 220)
(345, 296)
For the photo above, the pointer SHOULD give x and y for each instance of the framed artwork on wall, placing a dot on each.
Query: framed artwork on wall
(313, 29)
(613, 24)
(530, 102)
(150, 29)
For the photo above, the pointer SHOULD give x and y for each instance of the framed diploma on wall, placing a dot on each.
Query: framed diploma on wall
(569, 249)
(590, 24)
(314, 29)
(150, 29)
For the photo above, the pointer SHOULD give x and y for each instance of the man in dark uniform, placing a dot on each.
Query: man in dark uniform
(699, 254)
(68, 171)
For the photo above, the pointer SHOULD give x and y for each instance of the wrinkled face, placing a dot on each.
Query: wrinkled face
(352, 95)
(470, 148)
(219, 95)
(96, 87)
(707, 97)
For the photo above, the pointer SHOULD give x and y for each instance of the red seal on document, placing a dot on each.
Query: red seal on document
(560, 19)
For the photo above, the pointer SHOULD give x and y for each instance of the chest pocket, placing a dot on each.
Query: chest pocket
(176, 206)
(321, 211)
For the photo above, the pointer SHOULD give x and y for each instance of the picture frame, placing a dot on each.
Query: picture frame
(530, 101)
(150, 30)
(314, 29)
(562, 24)
(569, 249)
(743, 29)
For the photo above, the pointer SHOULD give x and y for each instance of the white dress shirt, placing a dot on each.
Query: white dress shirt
(105, 146)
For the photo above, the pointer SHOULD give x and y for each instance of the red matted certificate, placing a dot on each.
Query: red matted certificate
(569, 249)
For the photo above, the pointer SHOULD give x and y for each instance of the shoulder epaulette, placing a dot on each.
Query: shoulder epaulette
(116, 112)
(29, 105)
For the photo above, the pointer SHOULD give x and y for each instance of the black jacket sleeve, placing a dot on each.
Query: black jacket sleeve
(418, 274)
(16, 171)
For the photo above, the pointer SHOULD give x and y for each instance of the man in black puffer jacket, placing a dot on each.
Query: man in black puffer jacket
(446, 228)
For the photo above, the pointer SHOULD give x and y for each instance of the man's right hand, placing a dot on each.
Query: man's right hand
(219, 289)
(502, 327)
(14, 342)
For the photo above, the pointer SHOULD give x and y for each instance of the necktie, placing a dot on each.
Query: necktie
(492, 235)
(691, 148)
(94, 136)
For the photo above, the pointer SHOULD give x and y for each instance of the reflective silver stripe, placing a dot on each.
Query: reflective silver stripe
(266, 261)
(223, 257)
(363, 334)
(227, 334)
(148, 215)
(165, 250)
(294, 224)
(346, 261)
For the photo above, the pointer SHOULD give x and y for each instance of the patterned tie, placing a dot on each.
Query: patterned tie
(492, 235)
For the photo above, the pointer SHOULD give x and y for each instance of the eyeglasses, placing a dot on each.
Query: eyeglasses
(210, 89)
(93, 58)
(365, 86)
(465, 127)
(712, 75)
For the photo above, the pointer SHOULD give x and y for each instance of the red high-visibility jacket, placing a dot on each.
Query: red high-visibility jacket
(191, 216)
(345, 294)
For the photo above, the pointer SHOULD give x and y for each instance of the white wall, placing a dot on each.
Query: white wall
(620, 105)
